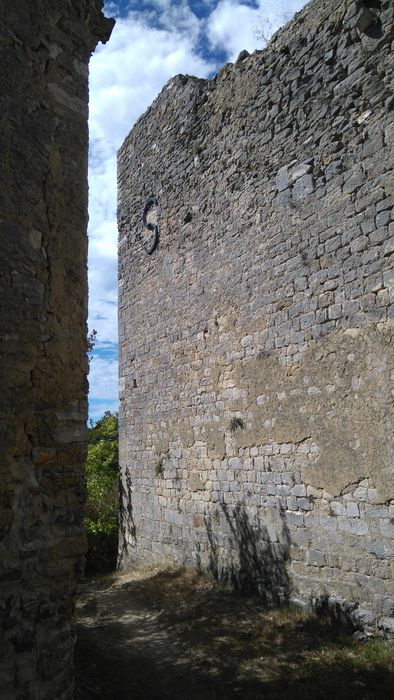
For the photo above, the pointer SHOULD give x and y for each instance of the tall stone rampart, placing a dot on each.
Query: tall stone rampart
(45, 49)
(256, 338)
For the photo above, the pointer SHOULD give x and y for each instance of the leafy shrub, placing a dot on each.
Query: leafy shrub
(102, 469)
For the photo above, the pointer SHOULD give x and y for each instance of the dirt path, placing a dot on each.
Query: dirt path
(155, 635)
(133, 654)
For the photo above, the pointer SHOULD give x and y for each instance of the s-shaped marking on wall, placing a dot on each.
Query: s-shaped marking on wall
(149, 248)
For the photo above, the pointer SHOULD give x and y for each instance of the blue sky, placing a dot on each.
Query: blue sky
(151, 42)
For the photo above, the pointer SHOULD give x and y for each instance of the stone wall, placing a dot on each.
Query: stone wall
(256, 340)
(45, 49)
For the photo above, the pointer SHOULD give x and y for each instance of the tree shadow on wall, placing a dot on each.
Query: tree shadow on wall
(259, 565)
(127, 529)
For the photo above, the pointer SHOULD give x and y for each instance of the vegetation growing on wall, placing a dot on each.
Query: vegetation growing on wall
(102, 484)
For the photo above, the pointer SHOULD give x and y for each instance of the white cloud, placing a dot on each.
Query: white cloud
(234, 26)
(230, 27)
(102, 378)
(128, 73)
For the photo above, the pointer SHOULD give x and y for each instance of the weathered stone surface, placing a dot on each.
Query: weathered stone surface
(365, 19)
(264, 361)
(45, 49)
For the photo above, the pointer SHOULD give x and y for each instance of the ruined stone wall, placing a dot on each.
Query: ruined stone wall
(256, 341)
(45, 48)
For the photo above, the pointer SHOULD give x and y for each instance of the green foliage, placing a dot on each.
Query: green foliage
(102, 485)
(90, 343)
(236, 423)
(159, 467)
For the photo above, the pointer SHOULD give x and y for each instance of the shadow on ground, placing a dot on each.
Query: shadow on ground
(166, 635)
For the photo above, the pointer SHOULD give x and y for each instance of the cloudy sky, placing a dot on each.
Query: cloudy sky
(151, 42)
